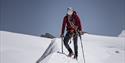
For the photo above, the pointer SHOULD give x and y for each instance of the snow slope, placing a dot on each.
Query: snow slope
(20, 48)
(98, 49)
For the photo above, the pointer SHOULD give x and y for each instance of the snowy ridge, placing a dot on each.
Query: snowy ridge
(20, 48)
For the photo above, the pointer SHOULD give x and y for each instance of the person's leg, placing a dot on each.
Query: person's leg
(66, 40)
(75, 46)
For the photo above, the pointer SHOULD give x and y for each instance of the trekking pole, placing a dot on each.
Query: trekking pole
(82, 48)
(62, 43)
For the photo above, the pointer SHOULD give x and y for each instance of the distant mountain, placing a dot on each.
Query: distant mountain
(47, 35)
(122, 34)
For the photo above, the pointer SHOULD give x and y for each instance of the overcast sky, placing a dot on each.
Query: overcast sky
(36, 17)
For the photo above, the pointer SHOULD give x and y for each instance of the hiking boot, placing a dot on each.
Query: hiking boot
(75, 57)
(70, 54)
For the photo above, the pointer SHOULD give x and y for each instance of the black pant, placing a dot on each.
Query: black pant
(66, 40)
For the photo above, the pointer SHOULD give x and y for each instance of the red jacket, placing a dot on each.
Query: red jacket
(67, 24)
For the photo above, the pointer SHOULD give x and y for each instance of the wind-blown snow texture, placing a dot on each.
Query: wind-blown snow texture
(20, 48)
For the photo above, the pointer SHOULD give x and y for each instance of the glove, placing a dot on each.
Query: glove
(61, 35)
(81, 32)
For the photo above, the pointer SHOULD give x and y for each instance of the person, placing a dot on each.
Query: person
(72, 22)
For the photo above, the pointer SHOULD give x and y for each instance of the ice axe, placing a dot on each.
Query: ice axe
(62, 40)
(82, 44)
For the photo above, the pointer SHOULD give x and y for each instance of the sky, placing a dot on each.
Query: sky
(36, 17)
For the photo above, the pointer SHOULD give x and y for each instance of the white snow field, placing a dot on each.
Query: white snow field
(21, 48)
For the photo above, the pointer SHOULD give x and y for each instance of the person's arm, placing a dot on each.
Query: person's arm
(63, 26)
(79, 25)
